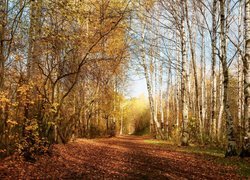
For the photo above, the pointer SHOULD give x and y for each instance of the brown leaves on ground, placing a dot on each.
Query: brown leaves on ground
(116, 158)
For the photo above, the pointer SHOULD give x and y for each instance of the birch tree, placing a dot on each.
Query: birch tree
(203, 81)
(184, 99)
(193, 58)
(247, 68)
(168, 99)
(231, 144)
(156, 125)
(240, 73)
(213, 45)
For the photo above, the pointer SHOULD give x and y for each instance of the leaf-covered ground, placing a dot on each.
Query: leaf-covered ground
(127, 157)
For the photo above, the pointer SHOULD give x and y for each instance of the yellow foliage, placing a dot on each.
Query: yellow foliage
(4, 99)
(12, 122)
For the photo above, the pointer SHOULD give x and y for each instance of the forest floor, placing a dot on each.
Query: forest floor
(126, 157)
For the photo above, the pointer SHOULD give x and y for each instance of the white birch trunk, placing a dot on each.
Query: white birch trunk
(185, 134)
(231, 144)
(247, 68)
(161, 95)
(193, 58)
(221, 110)
(240, 74)
(168, 98)
(203, 84)
(213, 90)
(149, 88)
(177, 92)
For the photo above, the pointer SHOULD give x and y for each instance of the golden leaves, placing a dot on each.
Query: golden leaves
(23, 90)
(54, 107)
(3, 98)
(12, 122)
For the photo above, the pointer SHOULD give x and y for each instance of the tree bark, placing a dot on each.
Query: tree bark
(185, 133)
(168, 98)
(149, 88)
(177, 92)
(240, 75)
(2, 38)
(213, 91)
(221, 110)
(161, 95)
(231, 144)
(203, 84)
(193, 58)
(34, 34)
(247, 68)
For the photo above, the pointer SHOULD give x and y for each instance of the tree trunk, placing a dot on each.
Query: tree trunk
(160, 96)
(247, 68)
(185, 134)
(155, 91)
(168, 99)
(240, 75)
(221, 110)
(203, 84)
(2, 36)
(213, 91)
(149, 88)
(193, 58)
(177, 92)
(121, 127)
(231, 146)
(34, 34)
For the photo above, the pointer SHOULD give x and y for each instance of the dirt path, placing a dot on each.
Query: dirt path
(116, 158)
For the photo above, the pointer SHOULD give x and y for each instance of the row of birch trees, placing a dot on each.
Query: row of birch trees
(194, 55)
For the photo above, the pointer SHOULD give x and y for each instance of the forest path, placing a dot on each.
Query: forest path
(126, 157)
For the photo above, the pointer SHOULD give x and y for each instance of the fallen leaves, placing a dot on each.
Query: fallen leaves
(116, 158)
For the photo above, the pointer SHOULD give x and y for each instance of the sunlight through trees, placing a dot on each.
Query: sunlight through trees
(65, 67)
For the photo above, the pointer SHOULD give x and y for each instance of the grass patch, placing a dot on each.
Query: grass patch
(189, 149)
(242, 165)
(203, 150)
(218, 155)
(157, 142)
